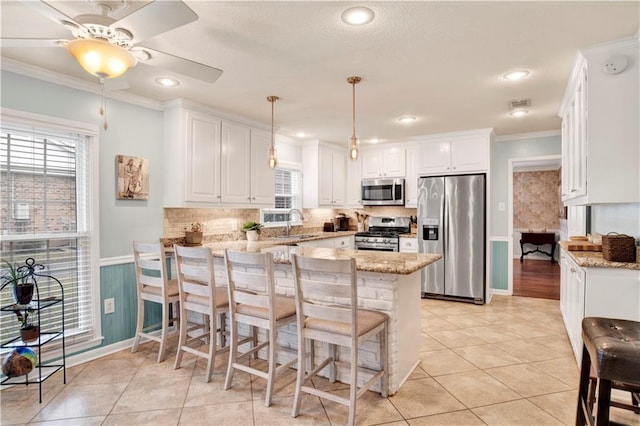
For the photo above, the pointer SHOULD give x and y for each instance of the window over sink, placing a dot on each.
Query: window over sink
(288, 190)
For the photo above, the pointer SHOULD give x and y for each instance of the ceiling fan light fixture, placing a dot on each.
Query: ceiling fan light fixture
(358, 15)
(101, 58)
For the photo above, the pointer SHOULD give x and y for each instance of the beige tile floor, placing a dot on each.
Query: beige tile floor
(505, 363)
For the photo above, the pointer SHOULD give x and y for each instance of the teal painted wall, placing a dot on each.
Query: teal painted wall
(501, 153)
(499, 264)
(121, 325)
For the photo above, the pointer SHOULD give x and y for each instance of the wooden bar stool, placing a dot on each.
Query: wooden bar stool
(153, 285)
(612, 346)
(327, 310)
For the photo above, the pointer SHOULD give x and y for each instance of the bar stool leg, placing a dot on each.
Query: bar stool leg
(604, 399)
(583, 409)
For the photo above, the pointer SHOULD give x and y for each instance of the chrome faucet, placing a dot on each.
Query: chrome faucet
(289, 218)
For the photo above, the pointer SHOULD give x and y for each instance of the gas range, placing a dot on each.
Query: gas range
(383, 233)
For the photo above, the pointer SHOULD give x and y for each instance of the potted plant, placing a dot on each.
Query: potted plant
(28, 331)
(22, 289)
(252, 229)
(194, 237)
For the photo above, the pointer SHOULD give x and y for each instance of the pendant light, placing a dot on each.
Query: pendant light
(353, 141)
(272, 151)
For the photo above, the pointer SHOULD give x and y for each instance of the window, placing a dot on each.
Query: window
(48, 212)
(287, 196)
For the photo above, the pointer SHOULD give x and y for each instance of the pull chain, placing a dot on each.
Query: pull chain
(103, 105)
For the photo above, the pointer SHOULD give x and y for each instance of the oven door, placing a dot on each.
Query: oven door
(363, 245)
(383, 192)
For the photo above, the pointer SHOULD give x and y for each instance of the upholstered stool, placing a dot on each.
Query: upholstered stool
(613, 347)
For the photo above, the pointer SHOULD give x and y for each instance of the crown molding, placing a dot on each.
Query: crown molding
(49, 76)
(192, 105)
(531, 135)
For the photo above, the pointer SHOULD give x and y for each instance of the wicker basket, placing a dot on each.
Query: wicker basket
(619, 248)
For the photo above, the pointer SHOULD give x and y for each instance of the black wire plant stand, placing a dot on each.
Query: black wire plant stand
(27, 274)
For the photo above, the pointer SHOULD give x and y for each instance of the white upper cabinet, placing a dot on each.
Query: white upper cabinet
(236, 163)
(411, 180)
(354, 183)
(246, 176)
(455, 153)
(324, 175)
(262, 176)
(202, 182)
(600, 126)
(383, 163)
(212, 162)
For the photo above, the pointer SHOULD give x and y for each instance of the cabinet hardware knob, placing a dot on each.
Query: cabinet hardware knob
(454, 167)
(573, 271)
(574, 190)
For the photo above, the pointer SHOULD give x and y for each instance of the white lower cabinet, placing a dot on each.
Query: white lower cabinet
(595, 292)
(408, 245)
(337, 242)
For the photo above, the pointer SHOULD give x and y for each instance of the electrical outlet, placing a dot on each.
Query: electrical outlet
(234, 225)
(109, 306)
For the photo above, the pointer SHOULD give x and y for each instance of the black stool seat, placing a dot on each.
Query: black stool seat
(613, 347)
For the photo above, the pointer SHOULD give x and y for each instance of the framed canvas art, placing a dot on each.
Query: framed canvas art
(132, 178)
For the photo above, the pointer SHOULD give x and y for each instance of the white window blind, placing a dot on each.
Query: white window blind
(45, 198)
(287, 196)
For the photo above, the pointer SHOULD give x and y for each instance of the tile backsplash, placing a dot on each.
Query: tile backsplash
(218, 223)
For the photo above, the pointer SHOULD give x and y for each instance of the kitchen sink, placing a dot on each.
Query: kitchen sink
(296, 237)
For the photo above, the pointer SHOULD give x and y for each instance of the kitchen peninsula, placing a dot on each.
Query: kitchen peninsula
(387, 282)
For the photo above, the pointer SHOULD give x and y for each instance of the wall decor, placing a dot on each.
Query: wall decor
(132, 178)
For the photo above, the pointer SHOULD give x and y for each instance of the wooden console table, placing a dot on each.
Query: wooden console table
(538, 239)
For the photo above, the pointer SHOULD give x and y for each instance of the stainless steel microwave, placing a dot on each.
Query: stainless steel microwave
(383, 192)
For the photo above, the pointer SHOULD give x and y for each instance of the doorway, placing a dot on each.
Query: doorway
(533, 206)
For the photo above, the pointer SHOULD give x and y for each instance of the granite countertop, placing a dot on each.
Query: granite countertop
(412, 234)
(367, 261)
(594, 259)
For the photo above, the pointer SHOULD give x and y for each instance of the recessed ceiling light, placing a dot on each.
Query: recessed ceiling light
(374, 140)
(519, 113)
(301, 134)
(167, 82)
(358, 15)
(407, 119)
(516, 75)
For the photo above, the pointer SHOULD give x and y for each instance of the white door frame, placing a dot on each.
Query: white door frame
(522, 161)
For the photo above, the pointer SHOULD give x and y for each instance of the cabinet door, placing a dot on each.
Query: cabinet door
(469, 155)
(393, 162)
(408, 245)
(236, 163)
(202, 174)
(371, 164)
(262, 176)
(435, 157)
(325, 177)
(344, 242)
(339, 183)
(354, 183)
(411, 180)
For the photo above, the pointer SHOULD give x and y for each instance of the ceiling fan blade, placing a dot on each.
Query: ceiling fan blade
(32, 42)
(51, 12)
(182, 66)
(156, 18)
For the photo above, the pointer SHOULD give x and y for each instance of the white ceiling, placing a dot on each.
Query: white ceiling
(439, 61)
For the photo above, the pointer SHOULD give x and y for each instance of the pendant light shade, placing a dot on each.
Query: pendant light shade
(353, 140)
(272, 151)
(101, 58)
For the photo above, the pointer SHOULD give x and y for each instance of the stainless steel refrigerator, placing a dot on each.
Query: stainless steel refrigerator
(451, 221)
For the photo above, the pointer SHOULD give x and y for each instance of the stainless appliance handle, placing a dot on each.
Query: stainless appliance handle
(393, 191)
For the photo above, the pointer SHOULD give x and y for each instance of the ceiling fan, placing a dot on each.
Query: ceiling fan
(107, 48)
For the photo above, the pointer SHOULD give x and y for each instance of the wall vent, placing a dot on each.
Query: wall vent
(520, 104)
